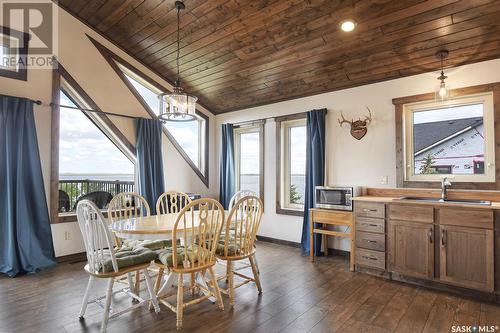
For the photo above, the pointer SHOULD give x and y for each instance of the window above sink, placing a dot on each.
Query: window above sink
(453, 138)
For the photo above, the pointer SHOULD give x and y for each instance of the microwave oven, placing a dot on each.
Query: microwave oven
(335, 197)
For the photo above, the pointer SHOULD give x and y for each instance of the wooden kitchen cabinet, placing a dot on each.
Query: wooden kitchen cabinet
(411, 248)
(466, 257)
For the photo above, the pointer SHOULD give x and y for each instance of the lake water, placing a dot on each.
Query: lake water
(251, 182)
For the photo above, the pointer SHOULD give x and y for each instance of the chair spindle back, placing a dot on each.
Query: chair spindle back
(198, 227)
(241, 194)
(96, 236)
(171, 202)
(242, 225)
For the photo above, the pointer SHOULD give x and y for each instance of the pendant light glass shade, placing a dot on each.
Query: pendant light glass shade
(443, 92)
(177, 106)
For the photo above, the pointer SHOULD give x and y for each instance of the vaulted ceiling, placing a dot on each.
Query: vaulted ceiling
(241, 53)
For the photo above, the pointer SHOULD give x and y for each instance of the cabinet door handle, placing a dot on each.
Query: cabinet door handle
(431, 233)
(443, 235)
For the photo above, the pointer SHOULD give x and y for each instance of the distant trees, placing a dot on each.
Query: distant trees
(294, 195)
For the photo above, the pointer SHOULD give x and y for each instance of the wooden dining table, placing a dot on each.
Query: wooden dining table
(157, 227)
(154, 227)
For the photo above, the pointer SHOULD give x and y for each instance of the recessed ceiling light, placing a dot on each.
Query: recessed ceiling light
(347, 25)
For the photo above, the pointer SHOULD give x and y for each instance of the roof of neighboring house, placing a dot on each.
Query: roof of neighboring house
(427, 134)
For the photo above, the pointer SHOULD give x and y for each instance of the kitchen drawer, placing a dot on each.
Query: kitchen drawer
(370, 225)
(369, 258)
(369, 209)
(411, 213)
(474, 218)
(371, 241)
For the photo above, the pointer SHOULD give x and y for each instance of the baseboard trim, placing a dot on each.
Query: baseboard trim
(278, 241)
(335, 252)
(72, 258)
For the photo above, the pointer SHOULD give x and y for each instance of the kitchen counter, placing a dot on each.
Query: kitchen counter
(368, 198)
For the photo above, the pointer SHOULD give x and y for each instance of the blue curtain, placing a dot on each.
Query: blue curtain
(226, 174)
(315, 172)
(150, 162)
(25, 235)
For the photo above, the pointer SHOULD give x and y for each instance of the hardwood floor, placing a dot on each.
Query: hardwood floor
(298, 297)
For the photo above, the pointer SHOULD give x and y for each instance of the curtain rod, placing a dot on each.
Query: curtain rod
(91, 110)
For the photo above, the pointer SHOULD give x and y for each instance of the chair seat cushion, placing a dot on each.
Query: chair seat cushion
(149, 244)
(128, 256)
(232, 249)
(166, 256)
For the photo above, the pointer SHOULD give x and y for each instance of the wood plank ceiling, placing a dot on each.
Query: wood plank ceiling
(241, 53)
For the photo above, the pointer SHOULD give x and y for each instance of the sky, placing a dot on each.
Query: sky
(84, 149)
(298, 150)
(250, 156)
(448, 113)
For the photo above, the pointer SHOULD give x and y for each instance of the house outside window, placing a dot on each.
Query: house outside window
(453, 139)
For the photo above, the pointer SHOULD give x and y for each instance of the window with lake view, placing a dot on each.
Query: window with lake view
(89, 160)
(292, 164)
(249, 158)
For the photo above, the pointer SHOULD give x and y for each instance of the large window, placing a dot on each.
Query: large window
(189, 137)
(454, 138)
(93, 164)
(249, 157)
(292, 165)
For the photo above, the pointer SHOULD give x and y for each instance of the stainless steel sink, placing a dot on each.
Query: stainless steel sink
(449, 201)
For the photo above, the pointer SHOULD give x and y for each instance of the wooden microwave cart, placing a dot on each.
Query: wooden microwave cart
(327, 217)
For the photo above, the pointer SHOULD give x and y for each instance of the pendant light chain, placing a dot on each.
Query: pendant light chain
(177, 105)
(178, 82)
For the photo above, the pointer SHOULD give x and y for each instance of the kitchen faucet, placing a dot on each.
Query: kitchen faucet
(445, 184)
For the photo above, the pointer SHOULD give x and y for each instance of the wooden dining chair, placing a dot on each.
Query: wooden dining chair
(240, 194)
(237, 196)
(237, 241)
(124, 206)
(170, 202)
(196, 233)
(106, 263)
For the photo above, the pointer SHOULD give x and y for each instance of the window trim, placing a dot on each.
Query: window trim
(58, 73)
(399, 103)
(254, 127)
(280, 163)
(409, 109)
(113, 60)
(22, 54)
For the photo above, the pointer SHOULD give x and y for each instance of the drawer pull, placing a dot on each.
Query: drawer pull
(369, 258)
(370, 241)
(366, 210)
(370, 224)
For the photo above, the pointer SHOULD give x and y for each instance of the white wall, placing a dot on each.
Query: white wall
(350, 162)
(83, 61)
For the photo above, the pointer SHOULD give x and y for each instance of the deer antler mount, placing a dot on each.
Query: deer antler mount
(358, 127)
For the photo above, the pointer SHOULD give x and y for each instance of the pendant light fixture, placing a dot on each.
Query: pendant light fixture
(443, 92)
(177, 106)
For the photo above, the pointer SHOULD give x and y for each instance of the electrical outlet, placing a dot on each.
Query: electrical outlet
(67, 235)
(384, 180)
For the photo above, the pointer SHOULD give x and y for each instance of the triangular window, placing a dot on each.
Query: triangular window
(189, 137)
(92, 161)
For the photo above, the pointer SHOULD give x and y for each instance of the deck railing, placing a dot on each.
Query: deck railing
(75, 188)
